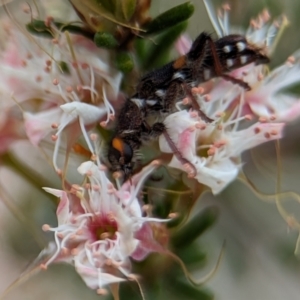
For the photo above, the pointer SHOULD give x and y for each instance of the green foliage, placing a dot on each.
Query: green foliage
(38, 27)
(202, 221)
(158, 53)
(128, 8)
(124, 62)
(64, 67)
(170, 18)
(108, 5)
(105, 40)
(123, 9)
(166, 288)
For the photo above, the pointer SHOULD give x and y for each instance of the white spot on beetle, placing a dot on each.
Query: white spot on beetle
(241, 46)
(227, 49)
(229, 63)
(129, 131)
(138, 102)
(160, 93)
(151, 102)
(206, 74)
(178, 75)
(243, 59)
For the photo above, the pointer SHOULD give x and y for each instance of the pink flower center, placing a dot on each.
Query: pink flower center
(103, 227)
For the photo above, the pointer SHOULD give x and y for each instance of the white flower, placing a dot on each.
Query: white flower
(268, 98)
(214, 149)
(86, 114)
(97, 226)
(58, 81)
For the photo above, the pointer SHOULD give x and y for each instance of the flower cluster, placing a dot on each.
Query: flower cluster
(100, 228)
(67, 85)
(61, 80)
(242, 119)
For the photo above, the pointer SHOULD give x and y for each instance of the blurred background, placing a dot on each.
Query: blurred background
(259, 261)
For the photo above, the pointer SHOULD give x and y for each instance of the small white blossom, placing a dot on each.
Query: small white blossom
(214, 149)
(98, 225)
(268, 98)
(58, 80)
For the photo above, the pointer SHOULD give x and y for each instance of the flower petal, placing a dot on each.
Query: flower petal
(38, 125)
(63, 208)
(89, 113)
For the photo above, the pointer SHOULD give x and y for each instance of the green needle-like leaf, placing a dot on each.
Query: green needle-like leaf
(128, 8)
(38, 27)
(188, 292)
(124, 62)
(195, 227)
(108, 5)
(105, 40)
(192, 256)
(159, 53)
(170, 18)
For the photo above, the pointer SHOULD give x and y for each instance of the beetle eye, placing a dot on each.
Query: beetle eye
(127, 153)
(123, 149)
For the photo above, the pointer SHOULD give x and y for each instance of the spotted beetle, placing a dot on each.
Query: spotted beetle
(158, 92)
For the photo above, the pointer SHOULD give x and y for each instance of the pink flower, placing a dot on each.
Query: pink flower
(267, 99)
(57, 82)
(100, 234)
(214, 149)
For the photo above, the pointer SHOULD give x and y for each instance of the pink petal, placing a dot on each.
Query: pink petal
(147, 243)
(183, 44)
(291, 114)
(92, 279)
(63, 208)
(10, 131)
(38, 125)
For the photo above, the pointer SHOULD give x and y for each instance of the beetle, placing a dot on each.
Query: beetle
(159, 90)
